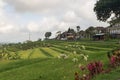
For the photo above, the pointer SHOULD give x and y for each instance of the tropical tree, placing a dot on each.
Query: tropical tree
(82, 34)
(58, 35)
(71, 31)
(78, 32)
(105, 8)
(90, 31)
(71, 34)
(78, 28)
(39, 39)
(47, 35)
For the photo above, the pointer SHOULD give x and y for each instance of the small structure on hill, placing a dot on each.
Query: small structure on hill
(99, 33)
(71, 35)
(67, 35)
(100, 36)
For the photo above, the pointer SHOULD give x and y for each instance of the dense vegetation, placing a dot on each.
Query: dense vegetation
(105, 8)
(9, 51)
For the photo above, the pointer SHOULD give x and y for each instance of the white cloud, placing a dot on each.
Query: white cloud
(6, 28)
(33, 5)
(71, 16)
(2, 14)
(33, 27)
(46, 24)
(69, 11)
(55, 15)
(7, 25)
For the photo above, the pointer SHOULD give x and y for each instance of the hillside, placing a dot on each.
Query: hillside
(43, 63)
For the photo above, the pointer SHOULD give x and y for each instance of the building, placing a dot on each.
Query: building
(99, 33)
(100, 36)
(99, 30)
(114, 31)
(67, 35)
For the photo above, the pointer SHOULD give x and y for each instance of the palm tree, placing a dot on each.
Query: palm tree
(58, 35)
(78, 30)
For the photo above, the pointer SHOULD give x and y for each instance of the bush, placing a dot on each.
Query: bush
(114, 57)
(93, 69)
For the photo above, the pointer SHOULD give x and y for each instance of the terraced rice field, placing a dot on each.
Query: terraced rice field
(43, 64)
(39, 53)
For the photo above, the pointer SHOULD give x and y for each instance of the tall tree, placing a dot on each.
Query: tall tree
(90, 31)
(71, 31)
(78, 32)
(82, 33)
(47, 35)
(58, 35)
(78, 28)
(105, 8)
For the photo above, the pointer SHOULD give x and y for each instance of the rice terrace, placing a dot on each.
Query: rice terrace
(47, 63)
(59, 39)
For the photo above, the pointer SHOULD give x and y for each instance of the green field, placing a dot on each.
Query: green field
(43, 63)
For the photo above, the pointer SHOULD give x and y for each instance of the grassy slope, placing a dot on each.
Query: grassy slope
(47, 67)
(37, 54)
(25, 54)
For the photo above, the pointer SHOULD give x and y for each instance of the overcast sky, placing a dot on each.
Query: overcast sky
(18, 18)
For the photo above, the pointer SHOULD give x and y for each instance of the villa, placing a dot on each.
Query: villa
(114, 31)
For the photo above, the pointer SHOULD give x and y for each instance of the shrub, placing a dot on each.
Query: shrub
(93, 68)
(114, 57)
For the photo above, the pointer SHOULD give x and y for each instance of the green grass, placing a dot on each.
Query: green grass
(113, 75)
(45, 52)
(42, 63)
(25, 54)
(37, 54)
(60, 50)
(55, 69)
(52, 52)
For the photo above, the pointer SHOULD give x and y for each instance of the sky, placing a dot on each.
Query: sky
(18, 18)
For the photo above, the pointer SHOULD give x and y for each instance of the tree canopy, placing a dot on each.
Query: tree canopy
(105, 8)
(48, 34)
(78, 28)
(90, 30)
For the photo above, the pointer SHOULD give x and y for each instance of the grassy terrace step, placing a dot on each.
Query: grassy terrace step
(29, 57)
(61, 47)
(59, 50)
(91, 53)
(100, 44)
(101, 48)
(38, 54)
(19, 63)
(91, 48)
(25, 54)
(45, 52)
(42, 70)
(51, 52)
